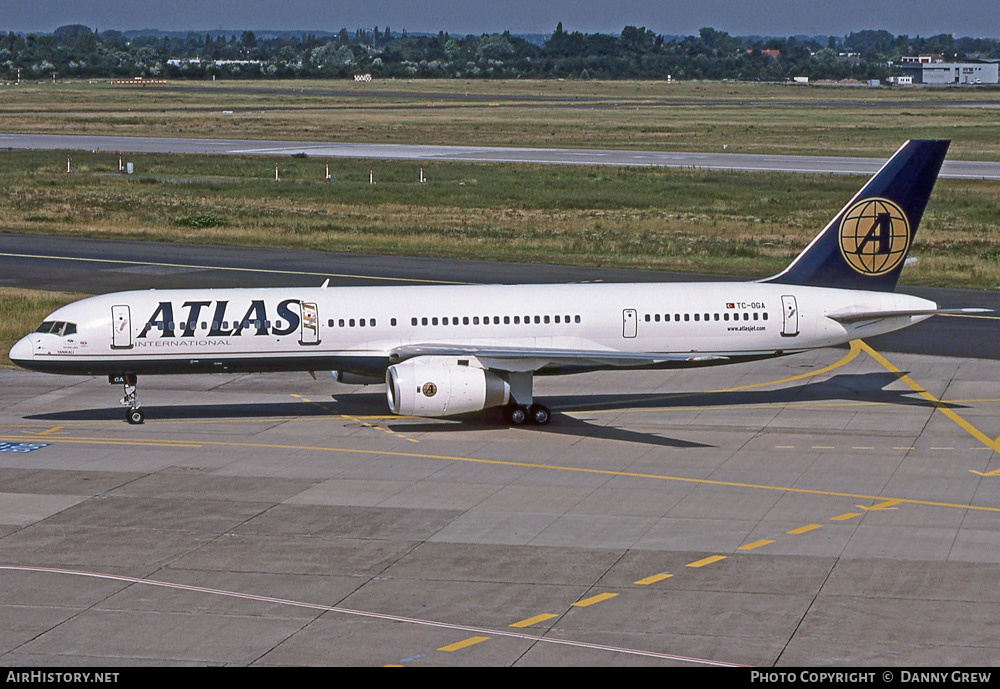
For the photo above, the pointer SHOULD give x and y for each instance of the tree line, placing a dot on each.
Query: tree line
(636, 53)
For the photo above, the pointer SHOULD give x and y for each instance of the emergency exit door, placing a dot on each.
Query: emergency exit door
(630, 322)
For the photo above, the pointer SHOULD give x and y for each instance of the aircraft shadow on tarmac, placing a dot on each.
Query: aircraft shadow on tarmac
(858, 388)
(867, 388)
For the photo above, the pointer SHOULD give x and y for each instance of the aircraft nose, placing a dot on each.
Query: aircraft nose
(23, 350)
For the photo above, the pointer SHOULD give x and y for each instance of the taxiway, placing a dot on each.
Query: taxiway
(838, 507)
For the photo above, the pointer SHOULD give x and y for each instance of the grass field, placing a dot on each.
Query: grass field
(701, 221)
(685, 116)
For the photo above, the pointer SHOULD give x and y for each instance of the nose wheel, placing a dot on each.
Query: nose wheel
(134, 415)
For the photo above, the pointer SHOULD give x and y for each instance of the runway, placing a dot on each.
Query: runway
(834, 508)
(958, 169)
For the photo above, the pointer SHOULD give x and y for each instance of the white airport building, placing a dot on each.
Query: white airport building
(924, 71)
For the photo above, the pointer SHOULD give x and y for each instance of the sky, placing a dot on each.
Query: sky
(977, 18)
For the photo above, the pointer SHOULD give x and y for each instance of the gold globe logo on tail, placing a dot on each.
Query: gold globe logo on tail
(874, 236)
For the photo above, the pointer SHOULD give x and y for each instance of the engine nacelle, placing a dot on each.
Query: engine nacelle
(442, 386)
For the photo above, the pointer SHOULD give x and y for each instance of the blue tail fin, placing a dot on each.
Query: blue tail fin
(865, 245)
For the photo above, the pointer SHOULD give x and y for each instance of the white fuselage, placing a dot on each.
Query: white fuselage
(355, 329)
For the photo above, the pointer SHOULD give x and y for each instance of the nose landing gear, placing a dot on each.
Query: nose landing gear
(129, 381)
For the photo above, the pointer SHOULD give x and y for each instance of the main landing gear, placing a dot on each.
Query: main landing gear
(133, 414)
(522, 408)
(535, 414)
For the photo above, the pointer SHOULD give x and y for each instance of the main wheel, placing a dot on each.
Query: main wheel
(517, 415)
(135, 416)
(539, 414)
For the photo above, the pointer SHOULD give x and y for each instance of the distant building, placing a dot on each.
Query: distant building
(950, 72)
(923, 59)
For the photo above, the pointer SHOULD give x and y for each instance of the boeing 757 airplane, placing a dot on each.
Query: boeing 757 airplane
(445, 350)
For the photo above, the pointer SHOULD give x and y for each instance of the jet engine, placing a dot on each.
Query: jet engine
(442, 386)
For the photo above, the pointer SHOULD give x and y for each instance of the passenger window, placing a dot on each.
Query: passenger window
(576, 319)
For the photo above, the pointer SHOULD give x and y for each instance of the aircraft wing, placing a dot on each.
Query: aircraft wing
(533, 358)
(850, 317)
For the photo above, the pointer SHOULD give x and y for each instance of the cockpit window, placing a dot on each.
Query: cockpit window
(60, 328)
